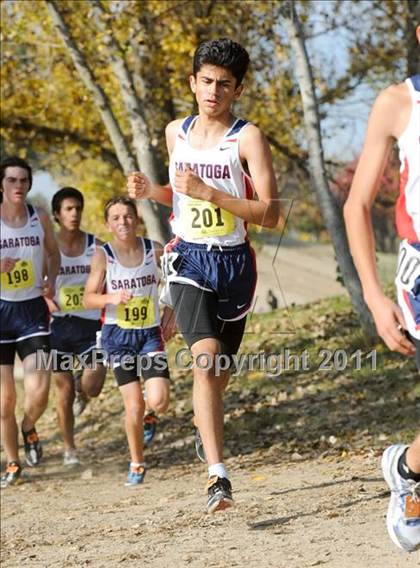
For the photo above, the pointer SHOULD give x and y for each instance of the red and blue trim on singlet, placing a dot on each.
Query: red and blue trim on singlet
(403, 221)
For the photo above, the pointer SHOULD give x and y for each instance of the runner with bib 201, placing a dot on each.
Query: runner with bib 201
(217, 163)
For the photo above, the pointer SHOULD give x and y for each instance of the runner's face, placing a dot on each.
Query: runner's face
(122, 222)
(15, 185)
(70, 215)
(215, 90)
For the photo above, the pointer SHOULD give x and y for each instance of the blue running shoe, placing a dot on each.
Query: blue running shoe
(149, 427)
(135, 476)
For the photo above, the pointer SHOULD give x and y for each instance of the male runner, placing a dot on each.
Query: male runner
(124, 283)
(27, 246)
(217, 161)
(73, 329)
(395, 116)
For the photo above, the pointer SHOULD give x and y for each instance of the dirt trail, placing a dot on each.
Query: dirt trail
(291, 515)
(298, 273)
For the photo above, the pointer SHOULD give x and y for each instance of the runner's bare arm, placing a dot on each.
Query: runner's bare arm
(158, 250)
(380, 136)
(138, 184)
(52, 253)
(93, 298)
(255, 150)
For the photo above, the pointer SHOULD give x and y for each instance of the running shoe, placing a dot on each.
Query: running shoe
(403, 517)
(12, 475)
(135, 476)
(80, 399)
(219, 492)
(199, 448)
(79, 403)
(33, 448)
(70, 458)
(149, 427)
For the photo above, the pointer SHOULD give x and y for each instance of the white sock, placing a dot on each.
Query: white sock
(134, 465)
(219, 470)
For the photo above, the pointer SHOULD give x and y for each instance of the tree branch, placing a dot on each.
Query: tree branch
(101, 101)
(50, 134)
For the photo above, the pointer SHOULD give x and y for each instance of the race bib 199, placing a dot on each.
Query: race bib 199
(22, 276)
(137, 313)
(71, 298)
(204, 219)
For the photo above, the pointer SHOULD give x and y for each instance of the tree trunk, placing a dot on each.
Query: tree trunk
(155, 219)
(156, 228)
(332, 216)
(413, 49)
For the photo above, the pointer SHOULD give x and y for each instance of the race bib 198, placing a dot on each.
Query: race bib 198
(71, 298)
(137, 313)
(204, 219)
(22, 276)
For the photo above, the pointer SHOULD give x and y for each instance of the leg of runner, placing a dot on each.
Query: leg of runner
(157, 401)
(199, 448)
(134, 411)
(92, 381)
(37, 385)
(9, 429)
(401, 470)
(207, 401)
(64, 405)
(157, 392)
(87, 385)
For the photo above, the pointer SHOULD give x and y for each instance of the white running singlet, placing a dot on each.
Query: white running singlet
(142, 311)
(71, 281)
(26, 244)
(198, 221)
(408, 215)
(408, 204)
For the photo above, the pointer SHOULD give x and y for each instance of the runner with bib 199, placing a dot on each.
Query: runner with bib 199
(123, 282)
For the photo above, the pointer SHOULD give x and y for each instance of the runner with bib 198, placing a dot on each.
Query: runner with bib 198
(217, 162)
(29, 264)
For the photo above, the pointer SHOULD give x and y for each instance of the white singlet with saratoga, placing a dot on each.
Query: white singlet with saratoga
(26, 244)
(71, 281)
(142, 311)
(407, 214)
(198, 221)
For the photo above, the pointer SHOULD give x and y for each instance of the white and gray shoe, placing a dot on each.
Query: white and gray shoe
(70, 458)
(403, 517)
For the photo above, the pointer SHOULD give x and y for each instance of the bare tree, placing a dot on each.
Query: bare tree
(153, 214)
(331, 213)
